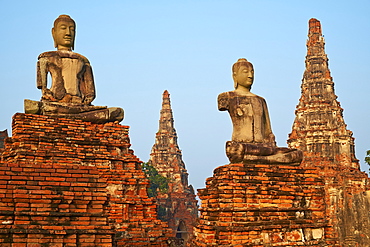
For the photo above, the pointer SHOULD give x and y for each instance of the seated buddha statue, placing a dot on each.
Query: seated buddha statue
(252, 138)
(72, 83)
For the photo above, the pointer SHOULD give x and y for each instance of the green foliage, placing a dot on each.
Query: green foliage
(367, 158)
(157, 181)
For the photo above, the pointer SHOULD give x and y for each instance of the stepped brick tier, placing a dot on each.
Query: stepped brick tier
(65, 182)
(320, 132)
(178, 206)
(262, 205)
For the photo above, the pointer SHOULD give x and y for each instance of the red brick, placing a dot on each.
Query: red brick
(56, 180)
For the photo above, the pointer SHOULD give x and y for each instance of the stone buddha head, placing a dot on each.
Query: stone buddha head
(64, 33)
(243, 74)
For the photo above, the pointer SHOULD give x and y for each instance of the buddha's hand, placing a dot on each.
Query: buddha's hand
(234, 151)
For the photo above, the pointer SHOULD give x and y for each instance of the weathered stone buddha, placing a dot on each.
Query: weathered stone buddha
(72, 88)
(252, 137)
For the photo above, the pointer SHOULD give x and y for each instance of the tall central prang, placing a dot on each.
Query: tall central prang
(320, 132)
(319, 127)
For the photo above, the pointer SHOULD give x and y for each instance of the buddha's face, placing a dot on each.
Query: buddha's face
(64, 35)
(244, 76)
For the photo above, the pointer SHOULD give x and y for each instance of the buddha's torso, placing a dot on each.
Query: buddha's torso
(71, 70)
(66, 69)
(249, 117)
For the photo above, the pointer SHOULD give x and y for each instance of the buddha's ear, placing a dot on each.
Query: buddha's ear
(52, 33)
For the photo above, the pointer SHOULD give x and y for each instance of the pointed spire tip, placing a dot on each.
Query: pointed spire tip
(166, 94)
(314, 26)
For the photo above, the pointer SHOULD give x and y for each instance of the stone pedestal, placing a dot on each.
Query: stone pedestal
(66, 182)
(262, 205)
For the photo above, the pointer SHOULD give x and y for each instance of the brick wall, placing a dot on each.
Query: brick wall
(262, 205)
(67, 182)
(347, 199)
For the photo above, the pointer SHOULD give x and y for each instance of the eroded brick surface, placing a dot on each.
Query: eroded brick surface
(66, 182)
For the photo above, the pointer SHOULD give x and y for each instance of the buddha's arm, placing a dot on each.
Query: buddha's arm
(88, 86)
(268, 129)
(42, 73)
(223, 102)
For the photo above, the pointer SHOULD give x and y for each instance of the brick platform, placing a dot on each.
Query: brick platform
(262, 205)
(66, 182)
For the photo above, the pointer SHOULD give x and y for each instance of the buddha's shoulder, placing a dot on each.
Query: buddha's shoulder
(260, 97)
(63, 54)
(245, 95)
(232, 94)
(48, 54)
(82, 57)
(224, 95)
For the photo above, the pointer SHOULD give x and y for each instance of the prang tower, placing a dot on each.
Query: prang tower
(320, 132)
(319, 129)
(178, 207)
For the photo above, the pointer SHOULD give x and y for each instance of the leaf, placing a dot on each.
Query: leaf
(367, 158)
(157, 182)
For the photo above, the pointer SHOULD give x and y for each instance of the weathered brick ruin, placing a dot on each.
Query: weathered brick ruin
(323, 201)
(66, 182)
(178, 206)
(262, 205)
(3, 135)
(72, 182)
(320, 132)
(67, 175)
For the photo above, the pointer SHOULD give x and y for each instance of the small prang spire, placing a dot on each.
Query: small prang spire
(166, 155)
(166, 94)
(314, 27)
(178, 204)
(315, 42)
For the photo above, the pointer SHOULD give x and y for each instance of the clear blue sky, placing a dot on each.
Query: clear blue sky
(140, 48)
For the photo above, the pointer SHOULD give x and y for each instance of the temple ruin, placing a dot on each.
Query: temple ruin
(178, 205)
(67, 182)
(321, 201)
(320, 132)
(67, 175)
(263, 197)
